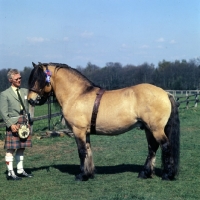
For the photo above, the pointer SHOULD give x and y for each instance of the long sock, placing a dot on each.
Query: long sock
(19, 160)
(9, 164)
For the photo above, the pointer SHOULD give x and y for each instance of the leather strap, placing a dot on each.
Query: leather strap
(95, 110)
(20, 99)
(27, 115)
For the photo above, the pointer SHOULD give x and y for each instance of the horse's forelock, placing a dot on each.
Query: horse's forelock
(37, 74)
(31, 77)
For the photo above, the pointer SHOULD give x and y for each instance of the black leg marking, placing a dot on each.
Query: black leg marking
(86, 161)
(168, 164)
(153, 145)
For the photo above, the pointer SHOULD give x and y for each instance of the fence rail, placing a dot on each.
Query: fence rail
(186, 96)
(2, 124)
(183, 92)
(48, 116)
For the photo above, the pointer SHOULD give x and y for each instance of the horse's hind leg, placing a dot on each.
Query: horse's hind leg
(153, 145)
(167, 162)
(86, 161)
(167, 157)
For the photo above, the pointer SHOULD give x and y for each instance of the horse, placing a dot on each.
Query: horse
(89, 109)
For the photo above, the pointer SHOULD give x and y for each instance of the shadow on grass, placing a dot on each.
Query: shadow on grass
(74, 169)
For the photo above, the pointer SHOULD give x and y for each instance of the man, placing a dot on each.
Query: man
(11, 111)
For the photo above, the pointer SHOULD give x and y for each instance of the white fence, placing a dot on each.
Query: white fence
(187, 97)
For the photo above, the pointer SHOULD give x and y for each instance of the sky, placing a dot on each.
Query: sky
(76, 32)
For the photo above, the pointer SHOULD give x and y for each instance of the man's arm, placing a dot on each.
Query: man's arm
(4, 113)
(4, 109)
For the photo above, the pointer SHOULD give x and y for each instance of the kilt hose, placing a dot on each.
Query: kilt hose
(13, 141)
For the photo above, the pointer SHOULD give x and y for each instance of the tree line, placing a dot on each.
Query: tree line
(177, 75)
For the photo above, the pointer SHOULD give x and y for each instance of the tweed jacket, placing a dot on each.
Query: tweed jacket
(10, 105)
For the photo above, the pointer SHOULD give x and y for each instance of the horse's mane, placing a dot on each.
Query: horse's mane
(78, 74)
(37, 74)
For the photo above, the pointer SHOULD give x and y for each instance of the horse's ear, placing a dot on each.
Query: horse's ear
(40, 65)
(34, 65)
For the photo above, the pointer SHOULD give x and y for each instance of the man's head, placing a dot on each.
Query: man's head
(14, 77)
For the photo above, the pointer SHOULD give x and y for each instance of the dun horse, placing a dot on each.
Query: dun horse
(88, 109)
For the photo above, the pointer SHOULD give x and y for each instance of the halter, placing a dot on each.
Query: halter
(48, 75)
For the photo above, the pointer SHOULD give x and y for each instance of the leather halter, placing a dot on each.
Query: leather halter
(95, 110)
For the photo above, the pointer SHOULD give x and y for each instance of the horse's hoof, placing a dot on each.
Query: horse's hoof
(166, 177)
(91, 176)
(143, 175)
(81, 177)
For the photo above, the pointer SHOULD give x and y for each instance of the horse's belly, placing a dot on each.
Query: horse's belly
(114, 129)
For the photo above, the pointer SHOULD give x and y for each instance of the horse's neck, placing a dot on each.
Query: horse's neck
(66, 86)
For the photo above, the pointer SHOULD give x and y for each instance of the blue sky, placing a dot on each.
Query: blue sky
(76, 32)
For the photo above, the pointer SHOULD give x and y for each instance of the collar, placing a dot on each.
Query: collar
(14, 88)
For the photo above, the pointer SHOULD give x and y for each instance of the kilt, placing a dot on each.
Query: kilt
(13, 141)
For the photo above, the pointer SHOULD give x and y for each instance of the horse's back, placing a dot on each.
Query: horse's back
(139, 96)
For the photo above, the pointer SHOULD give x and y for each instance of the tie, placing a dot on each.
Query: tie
(20, 99)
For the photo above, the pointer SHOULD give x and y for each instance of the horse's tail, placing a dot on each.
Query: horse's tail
(172, 131)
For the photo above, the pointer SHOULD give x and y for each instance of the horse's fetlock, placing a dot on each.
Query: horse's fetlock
(88, 146)
(82, 153)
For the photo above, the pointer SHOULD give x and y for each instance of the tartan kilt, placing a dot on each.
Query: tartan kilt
(13, 141)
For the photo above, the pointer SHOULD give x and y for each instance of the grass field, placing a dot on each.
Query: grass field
(118, 159)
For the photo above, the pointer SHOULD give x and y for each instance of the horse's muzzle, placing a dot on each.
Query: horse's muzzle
(31, 102)
(38, 101)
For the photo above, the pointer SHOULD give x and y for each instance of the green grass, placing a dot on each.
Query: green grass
(118, 159)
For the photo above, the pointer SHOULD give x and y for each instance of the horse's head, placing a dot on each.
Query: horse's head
(39, 84)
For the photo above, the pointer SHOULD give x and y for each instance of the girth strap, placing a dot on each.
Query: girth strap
(95, 110)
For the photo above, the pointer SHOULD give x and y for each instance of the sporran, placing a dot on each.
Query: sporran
(23, 131)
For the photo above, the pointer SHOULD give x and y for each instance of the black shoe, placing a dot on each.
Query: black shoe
(25, 175)
(13, 178)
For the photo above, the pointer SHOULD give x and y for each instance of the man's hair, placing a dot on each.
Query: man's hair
(12, 72)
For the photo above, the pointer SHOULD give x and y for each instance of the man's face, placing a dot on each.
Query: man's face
(16, 80)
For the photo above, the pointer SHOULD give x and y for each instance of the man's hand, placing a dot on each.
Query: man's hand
(14, 128)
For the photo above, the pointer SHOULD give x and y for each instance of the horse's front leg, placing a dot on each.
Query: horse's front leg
(86, 161)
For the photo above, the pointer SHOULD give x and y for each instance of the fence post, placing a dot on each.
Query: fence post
(187, 99)
(196, 98)
(31, 111)
(49, 111)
